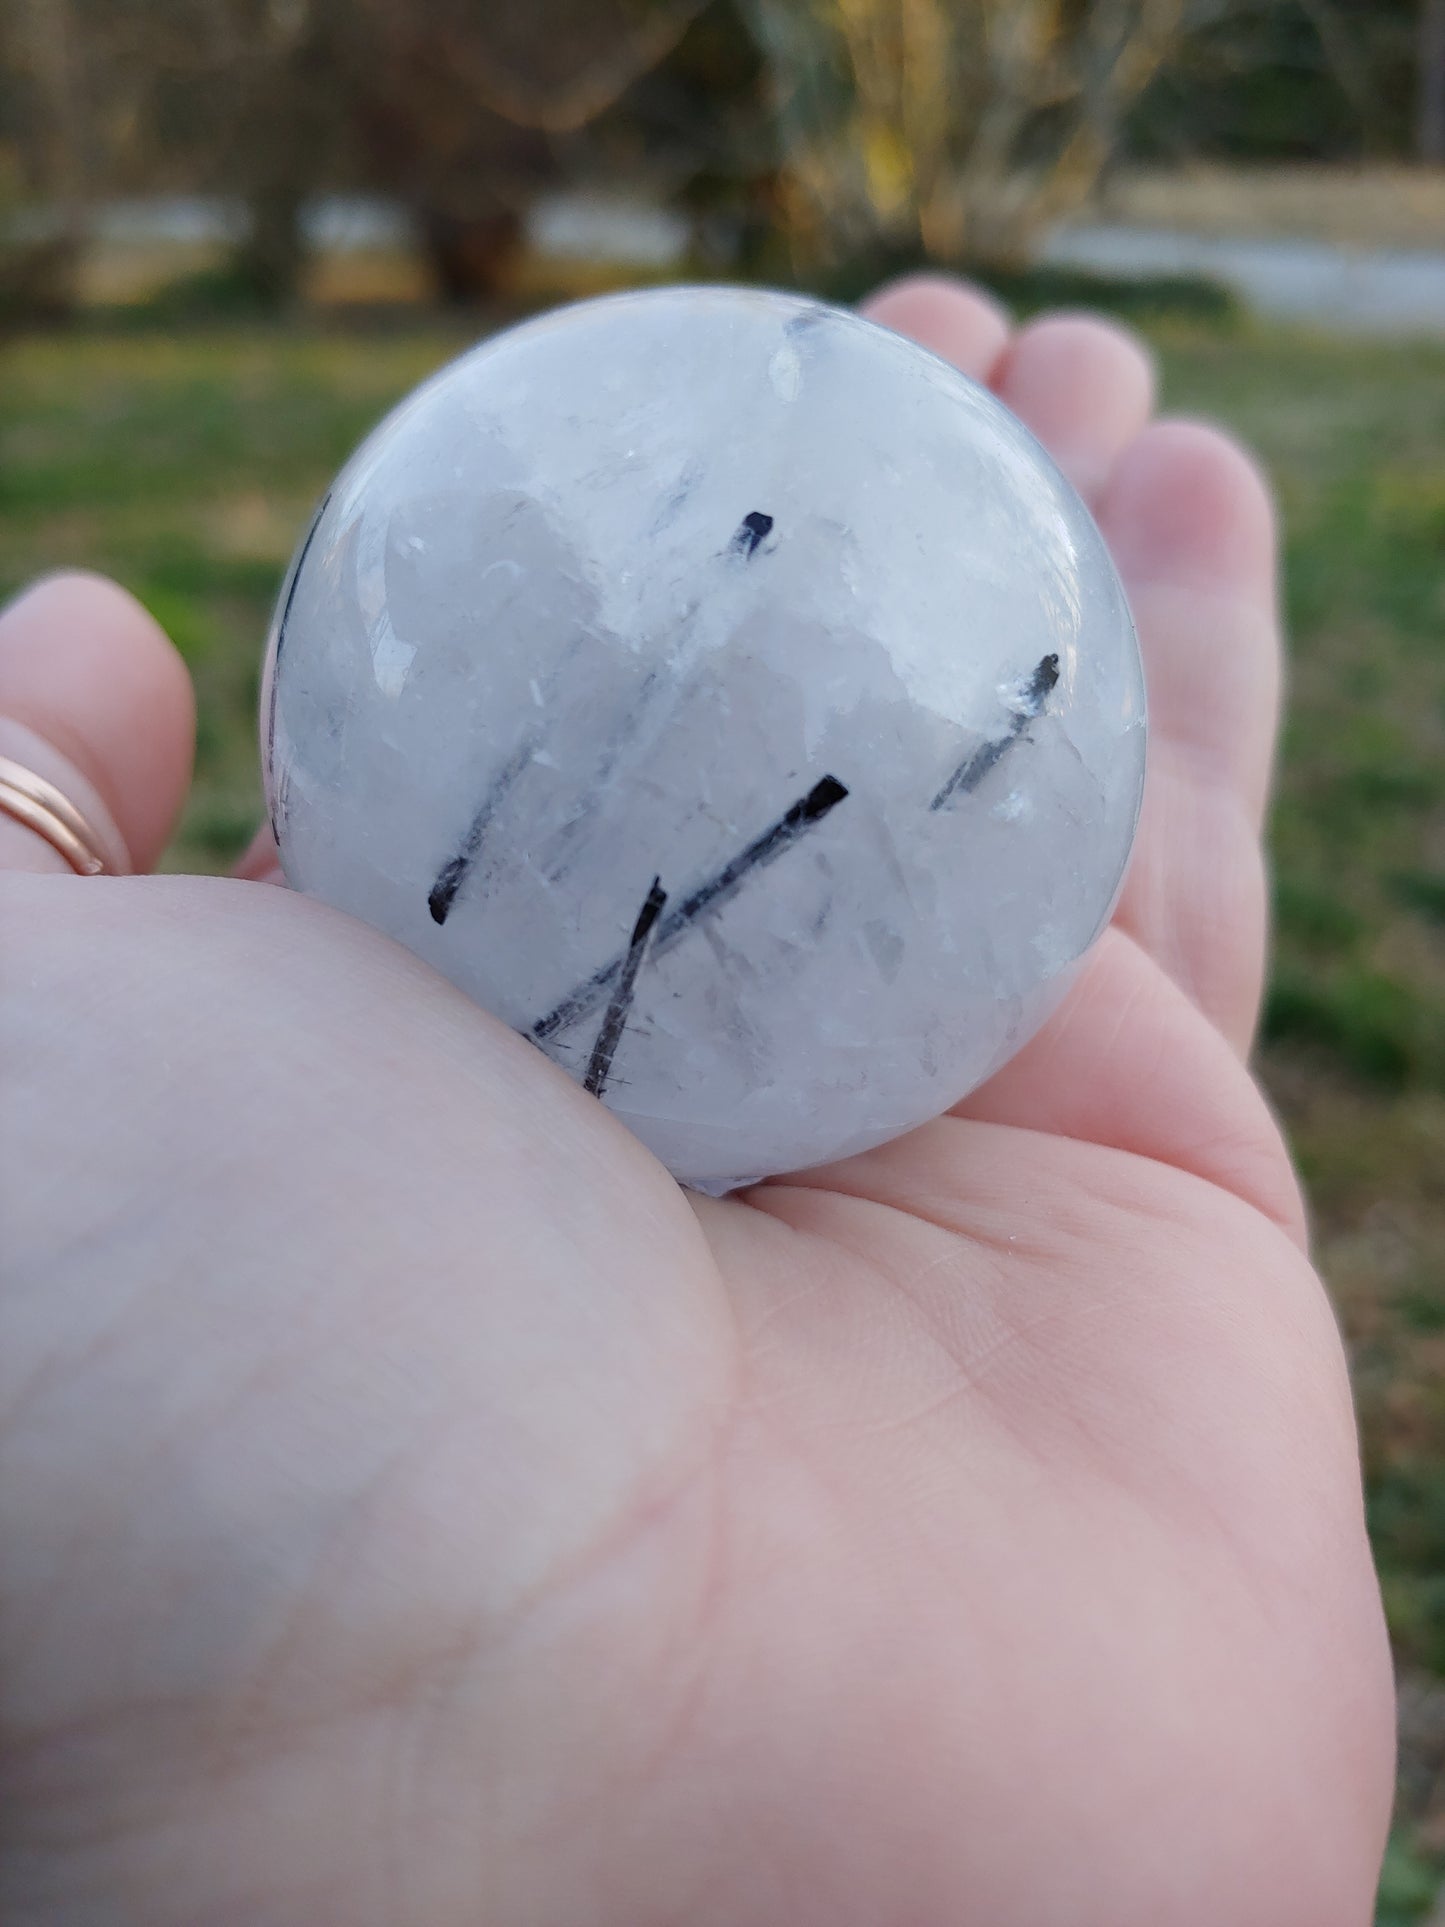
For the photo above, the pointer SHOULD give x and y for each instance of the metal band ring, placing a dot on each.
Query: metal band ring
(41, 807)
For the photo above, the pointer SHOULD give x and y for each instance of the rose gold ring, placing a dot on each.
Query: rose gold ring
(41, 807)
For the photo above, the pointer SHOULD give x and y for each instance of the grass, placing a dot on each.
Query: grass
(187, 466)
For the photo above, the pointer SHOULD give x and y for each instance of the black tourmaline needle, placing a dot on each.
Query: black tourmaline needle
(455, 871)
(754, 528)
(286, 617)
(971, 772)
(719, 889)
(614, 1022)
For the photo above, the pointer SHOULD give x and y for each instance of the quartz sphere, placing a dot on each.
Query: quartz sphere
(730, 696)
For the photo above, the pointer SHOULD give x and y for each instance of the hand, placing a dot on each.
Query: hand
(418, 1512)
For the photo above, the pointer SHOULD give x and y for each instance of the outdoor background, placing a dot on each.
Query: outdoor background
(232, 232)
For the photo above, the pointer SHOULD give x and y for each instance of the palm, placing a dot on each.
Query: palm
(427, 1513)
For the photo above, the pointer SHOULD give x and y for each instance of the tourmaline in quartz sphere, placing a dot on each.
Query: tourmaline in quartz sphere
(730, 696)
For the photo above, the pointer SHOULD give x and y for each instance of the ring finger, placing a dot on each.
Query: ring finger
(96, 703)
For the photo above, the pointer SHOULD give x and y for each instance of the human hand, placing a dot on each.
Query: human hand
(415, 1509)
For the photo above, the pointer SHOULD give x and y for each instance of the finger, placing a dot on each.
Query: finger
(94, 699)
(1127, 1062)
(262, 861)
(1084, 386)
(1189, 519)
(957, 321)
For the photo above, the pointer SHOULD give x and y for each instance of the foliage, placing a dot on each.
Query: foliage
(1287, 80)
(1408, 1886)
(957, 126)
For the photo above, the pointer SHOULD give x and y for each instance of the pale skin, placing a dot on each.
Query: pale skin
(416, 1511)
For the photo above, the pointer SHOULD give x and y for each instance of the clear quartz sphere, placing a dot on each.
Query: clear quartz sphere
(729, 695)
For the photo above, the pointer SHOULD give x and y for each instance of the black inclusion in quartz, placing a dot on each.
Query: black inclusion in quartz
(972, 770)
(750, 534)
(286, 617)
(709, 897)
(277, 785)
(455, 871)
(807, 318)
(614, 1022)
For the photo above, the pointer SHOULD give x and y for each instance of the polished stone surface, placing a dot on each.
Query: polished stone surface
(730, 696)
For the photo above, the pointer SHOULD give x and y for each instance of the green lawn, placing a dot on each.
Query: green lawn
(186, 467)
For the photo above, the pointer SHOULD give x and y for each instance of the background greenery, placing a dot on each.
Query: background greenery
(186, 466)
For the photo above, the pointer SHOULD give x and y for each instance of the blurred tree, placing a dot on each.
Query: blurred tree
(697, 131)
(957, 128)
(461, 109)
(468, 111)
(281, 130)
(1431, 64)
(228, 97)
(38, 268)
(1288, 80)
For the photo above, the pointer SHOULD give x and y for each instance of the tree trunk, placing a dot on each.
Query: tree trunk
(43, 280)
(1431, 126)
(472, 258)
(273, 252)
